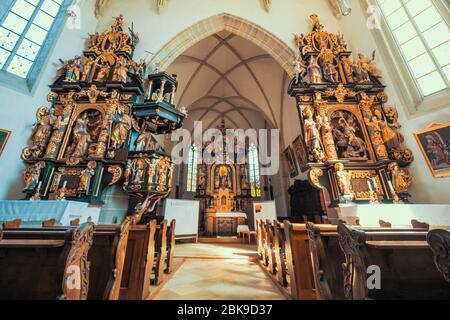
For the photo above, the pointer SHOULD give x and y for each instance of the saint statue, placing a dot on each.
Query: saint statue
(314, 72)
(120, 71)
(32, 175)
(299, 68)
(127, 172)
(103, 73)
(401, 178)
(73, 70)
(122, 124)
(81, 138)
(344, 181)
(85, 178)
(87, 69)
(312, 136)
(138, 171)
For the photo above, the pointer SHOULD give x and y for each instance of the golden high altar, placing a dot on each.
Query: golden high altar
(223, 191)
(351, 144)
(99, 129)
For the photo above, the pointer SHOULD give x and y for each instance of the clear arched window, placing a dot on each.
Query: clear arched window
(253, 162)
(191, 185)
(422, 37)
(26, 34)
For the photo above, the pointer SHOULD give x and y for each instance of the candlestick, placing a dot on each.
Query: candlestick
(64, 184)
(370, 185)
(39, 185)
(391, 187)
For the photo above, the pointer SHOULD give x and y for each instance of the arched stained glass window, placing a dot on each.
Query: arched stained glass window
(253, 161)
(191, 185)
(25, 33)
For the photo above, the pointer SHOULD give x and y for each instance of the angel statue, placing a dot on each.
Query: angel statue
(299, 40)
(267, 4)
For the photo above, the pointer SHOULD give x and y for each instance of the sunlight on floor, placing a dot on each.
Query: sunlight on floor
(218, 272)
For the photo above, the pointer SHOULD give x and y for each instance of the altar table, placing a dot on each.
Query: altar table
(32, 213)
(224, 223)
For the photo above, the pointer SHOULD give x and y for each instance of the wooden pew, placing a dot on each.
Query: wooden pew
(298, 262)
(160, 252)
(406, 266)
(261, 238)
(326, 260)
(139, 262)
(170, 246)
(106, 256)
(439, 241)
(270, 246)
(280, 253)
(46, 268)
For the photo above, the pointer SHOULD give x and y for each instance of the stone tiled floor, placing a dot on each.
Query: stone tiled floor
(218, 272)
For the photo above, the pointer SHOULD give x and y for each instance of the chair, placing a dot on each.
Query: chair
(75, 222)
(385, 224)
(241, 229)
(15, 224)
(48, 223)
(419, 225)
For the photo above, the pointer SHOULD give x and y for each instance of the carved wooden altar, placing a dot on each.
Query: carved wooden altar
(99, 128)
(223, 186)
(353, 146)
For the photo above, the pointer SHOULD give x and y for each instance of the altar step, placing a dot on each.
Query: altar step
(234, 239)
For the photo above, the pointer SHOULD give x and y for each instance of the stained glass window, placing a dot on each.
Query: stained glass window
(423, 38)
(23, 32)
(191, 185)
(253, 162)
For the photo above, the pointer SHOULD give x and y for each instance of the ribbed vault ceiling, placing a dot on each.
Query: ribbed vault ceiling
(227, 77)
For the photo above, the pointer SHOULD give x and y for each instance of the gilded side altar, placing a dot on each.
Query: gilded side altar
(353, 146)
(100, 126)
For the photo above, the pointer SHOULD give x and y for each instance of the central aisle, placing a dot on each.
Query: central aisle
(218, 272)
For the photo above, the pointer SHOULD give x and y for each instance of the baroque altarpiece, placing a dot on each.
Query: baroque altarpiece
(224, 187)
(353, 147)
(100, 127)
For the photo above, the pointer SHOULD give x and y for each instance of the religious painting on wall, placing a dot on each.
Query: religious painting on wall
(300, 153)
(434, 142)
(290, 158)
(4, 136)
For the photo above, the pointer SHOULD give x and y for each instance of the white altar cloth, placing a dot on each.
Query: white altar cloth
(36, 211)
(399, 215)
(231, 215)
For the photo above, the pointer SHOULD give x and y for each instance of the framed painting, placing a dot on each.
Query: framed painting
(290, 158)
(300, 153)
(434, 142)
(4, 136)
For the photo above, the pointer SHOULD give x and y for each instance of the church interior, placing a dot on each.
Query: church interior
(225, 150)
